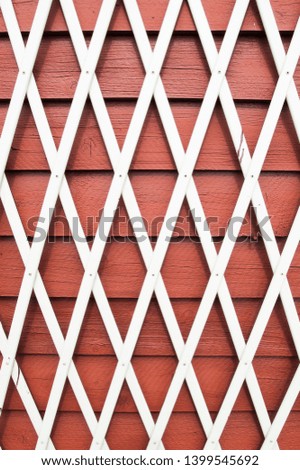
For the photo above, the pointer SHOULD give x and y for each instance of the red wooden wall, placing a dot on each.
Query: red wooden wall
(252, 77)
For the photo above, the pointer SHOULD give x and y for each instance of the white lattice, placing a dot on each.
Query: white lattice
(251, 166)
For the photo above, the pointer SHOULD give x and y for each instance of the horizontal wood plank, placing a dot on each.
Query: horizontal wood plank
(127, 432)
(89, 153)
(154, 375)
(218, 13)
(154, 339)
(184, 271)
(218, 193)
(251, 74)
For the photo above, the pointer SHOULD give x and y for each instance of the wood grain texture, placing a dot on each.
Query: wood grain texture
(251, 74)
(154, 375)
(184, 271)
(154, 339)
(153, 11)
(153, 153)
(127, 432)
(218, 193)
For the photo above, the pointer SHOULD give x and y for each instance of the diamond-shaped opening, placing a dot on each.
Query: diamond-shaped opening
(188, 426)
(185, 21)
(24, 15)
(286, 22)
(154, 375)
(185, 224)
(88, 151)
(152, 151)
(16, 431)
(242, 431)
(156, 187)
(218, 15)
(57, 22)
(185, 262)
(61, 268)
(185, 115)
(56, 69)
(93, 339)
(120, 114)
(120, 70)
(252, 21)
(153, 20)
(96, 373)
(185, 73)
(252, 118)
(274, 377)
(217, 151)
(154, 339)
(127, 432)
(126, 403)
(126, 417)
(122, 310)
(252, 73)
(249, 264)
(153, 15)
(120, 21)
(70, 432)
(219, 202)
(92, 187)
(122, 226)
(122, 256)
(283, 153)
(216, 338)
(60, 227)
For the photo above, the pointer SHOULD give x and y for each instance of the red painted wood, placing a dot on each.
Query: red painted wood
(185, 272)
(251, 73)
(217, 153)
(153, 191)
(154, 339)
(153, 11)
(154, 375)
(127, 432)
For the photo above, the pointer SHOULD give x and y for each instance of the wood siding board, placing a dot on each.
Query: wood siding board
(127, 432)
(217, 153)
(62, 271)
(153, 190)
(218, 14)
(185, 72)
(154, 339)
